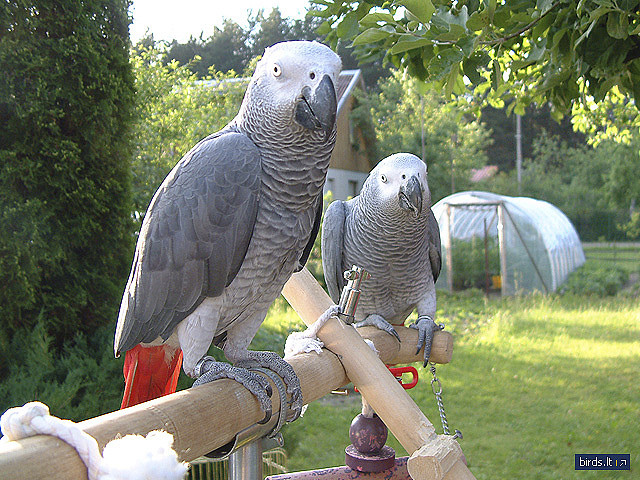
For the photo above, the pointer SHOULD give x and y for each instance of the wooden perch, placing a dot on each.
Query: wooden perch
(204, 418)
(201, 419)
(433, 456)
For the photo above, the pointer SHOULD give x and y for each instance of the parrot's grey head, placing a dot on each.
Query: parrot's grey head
(399, 185)
(294, 85)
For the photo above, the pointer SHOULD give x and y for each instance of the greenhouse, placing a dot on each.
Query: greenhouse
(510, 244)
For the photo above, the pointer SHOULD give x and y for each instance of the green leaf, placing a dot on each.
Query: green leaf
(442, 63)
(636, 91)
(491, 9)
(451, 81)
(477, 21)
(371, 35)
(470, 69)
(324, 28)
(421, 9)
(496, 75)
(541, 27)
(348, 26)
(408, 42)
(617, 25)
(422, 87)
(468, 44)
(370, 19)
(521, 17)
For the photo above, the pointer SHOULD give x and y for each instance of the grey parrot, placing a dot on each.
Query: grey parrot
(390, 231)
(226, 229)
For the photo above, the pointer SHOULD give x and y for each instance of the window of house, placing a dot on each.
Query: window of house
(353, 188)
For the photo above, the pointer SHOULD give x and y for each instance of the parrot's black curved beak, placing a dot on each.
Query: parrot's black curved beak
(411, 196)
(316, 110)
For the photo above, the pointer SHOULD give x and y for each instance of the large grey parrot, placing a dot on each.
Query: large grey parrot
(226, 229)
(390, 231)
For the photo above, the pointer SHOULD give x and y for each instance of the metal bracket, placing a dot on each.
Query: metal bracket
(268, 434)
(351, 293)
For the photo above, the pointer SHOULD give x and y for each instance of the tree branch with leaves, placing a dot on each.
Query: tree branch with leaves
(520, 52)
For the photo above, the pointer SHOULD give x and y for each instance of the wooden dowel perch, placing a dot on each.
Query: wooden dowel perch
(205, 418)
(433, 456)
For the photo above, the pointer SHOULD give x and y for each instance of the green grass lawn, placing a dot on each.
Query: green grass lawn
(533, 381)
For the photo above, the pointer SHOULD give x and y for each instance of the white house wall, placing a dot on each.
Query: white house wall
(344, 184)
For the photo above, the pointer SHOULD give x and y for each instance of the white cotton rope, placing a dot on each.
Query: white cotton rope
(132, 457)
(307, 340)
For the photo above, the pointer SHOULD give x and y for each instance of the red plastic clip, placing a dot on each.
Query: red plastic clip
(398, 371)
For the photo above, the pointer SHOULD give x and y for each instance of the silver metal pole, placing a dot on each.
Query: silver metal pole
(502, 247)
(448, 246)
(246, 462)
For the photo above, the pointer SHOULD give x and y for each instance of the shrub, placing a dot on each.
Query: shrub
(66, 94)
(595, 280)
(80, 381)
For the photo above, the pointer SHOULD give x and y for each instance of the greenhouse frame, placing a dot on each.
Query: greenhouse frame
(537, 245)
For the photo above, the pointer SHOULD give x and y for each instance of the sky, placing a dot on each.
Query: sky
(173, 19)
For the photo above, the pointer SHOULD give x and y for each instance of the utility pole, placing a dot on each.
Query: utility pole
(519, 152)
(422, 125)
(454, 141)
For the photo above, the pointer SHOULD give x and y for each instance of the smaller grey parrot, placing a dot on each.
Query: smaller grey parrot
(390, 231)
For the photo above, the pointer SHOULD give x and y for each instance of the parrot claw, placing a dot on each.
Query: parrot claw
(426, 328)
(380, 323)
(208, 370)
(276, 364)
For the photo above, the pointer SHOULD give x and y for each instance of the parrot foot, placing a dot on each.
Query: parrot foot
(426, 328)
(208, 370)
(276, 364)
(380, 323)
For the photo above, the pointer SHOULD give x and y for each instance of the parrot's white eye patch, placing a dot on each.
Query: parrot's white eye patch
(383, 178)
(277, 70)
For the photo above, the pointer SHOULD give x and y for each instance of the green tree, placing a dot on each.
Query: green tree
(528, 51)
(174, 110)
(453, 144)
(536, 122)
(269, 30)
(66, 92)
(226, 49)
(592, 185)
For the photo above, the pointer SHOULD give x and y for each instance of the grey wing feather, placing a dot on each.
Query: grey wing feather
(435, 250)
(332, 246)
(312, 238)
(193, 239)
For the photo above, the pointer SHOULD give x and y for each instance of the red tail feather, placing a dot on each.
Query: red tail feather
(150, 372)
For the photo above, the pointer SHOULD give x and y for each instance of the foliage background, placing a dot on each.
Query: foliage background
(66, 96)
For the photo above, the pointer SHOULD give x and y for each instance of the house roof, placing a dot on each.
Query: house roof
(347, 81)
(478, 174)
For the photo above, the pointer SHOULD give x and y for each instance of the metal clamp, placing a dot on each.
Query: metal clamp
(351, 293)
(268, 434)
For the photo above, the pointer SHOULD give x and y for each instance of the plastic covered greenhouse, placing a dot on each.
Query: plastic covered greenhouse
(512, 244)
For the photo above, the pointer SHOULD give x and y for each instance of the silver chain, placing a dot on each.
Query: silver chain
(436, 388)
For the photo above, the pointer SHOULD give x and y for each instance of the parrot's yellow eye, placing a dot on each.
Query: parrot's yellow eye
(277, 71)
(383, 178)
